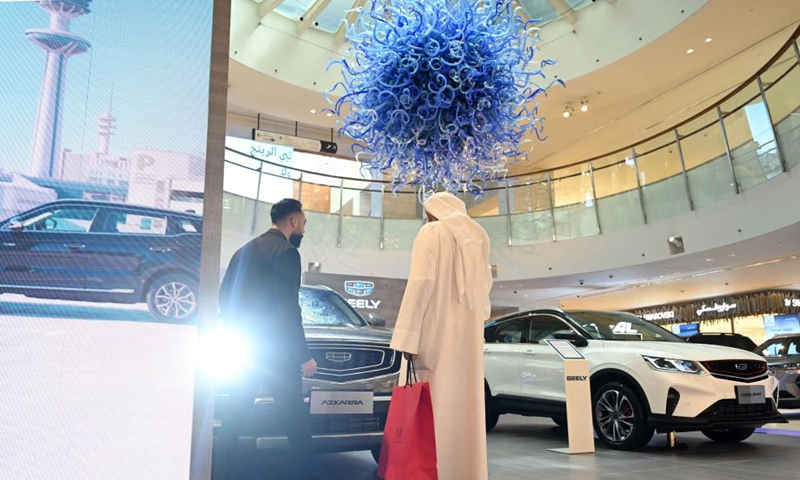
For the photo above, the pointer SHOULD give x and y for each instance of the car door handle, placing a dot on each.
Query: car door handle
(160, 249)
(74, 246)
(530, 353)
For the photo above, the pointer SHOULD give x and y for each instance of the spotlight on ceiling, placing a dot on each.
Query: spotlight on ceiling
(584, 105)
(568, 111)
(709, 40)
(691, 50)
(313, 111)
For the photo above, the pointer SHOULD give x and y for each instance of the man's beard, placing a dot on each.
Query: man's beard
(295, 239)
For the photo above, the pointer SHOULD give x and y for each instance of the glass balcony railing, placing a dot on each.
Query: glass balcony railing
(748, 138)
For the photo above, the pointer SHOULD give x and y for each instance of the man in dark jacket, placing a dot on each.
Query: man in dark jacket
(259, 297)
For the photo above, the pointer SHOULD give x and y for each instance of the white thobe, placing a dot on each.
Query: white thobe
(448, 339)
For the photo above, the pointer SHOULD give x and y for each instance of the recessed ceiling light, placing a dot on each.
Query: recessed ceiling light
(709, 259)
(313, 111)
(691, 50)
(568, 112)
(708, 40)
(329, 114)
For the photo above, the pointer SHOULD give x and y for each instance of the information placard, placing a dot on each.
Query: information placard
(565, 349)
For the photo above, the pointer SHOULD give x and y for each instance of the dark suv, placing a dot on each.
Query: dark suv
(104, 252)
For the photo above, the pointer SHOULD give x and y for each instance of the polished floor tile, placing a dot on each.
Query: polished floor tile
(518, 449)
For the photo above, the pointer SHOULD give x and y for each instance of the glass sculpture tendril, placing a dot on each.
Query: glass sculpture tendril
(441, 93)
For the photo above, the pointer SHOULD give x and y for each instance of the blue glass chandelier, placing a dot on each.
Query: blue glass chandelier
(441, 93)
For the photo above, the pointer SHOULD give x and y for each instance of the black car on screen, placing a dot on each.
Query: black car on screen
(104, 252)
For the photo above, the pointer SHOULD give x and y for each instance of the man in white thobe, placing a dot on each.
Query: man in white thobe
(440, 325)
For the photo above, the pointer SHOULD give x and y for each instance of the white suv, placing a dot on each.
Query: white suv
(643, 378)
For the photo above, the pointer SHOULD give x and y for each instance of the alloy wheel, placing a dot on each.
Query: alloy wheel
(615, 416)
(175, 300)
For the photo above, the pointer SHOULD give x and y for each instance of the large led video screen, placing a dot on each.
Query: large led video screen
(103, 133)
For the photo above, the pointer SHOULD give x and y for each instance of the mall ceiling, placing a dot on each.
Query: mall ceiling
(628, 58)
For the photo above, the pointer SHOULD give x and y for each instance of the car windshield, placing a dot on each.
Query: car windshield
(325, 308)
(780, 347)
(621, 326)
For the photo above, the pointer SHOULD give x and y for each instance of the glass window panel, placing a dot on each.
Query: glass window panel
(618, 176)
(331, 16)
(572, 186)
(491, 203)
(573, 221)
(661, 177)
(620, 211)
(529, 194)
(359, 200)
(324, 229)
(399, 234)
(753, 146)
(294, 9)
(239, 180)
(783, 99)
(707, 164)
(237, 212)
(402, 204)
(361, 233)
(531, 227)
(496, 228)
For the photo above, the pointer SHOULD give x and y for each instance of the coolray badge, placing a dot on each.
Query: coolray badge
(359, 288)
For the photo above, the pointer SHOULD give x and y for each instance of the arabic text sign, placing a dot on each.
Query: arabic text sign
(716, 308)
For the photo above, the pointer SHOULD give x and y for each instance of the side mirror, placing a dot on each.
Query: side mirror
(574, 338)
(15, 225)
(376, 320)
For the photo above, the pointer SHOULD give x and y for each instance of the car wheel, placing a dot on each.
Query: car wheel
(619, 417)
(172, 298)
(376, 454)
(491, 415)
(728, 435)
(560, 421)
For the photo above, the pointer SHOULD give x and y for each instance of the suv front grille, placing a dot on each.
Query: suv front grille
(346, 362)
(737, 370)
(729, 410)
(335, 424)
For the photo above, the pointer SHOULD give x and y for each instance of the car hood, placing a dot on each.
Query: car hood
(687, 351)
(348, 334)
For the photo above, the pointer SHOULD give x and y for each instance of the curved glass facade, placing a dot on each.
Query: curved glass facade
(750, 137)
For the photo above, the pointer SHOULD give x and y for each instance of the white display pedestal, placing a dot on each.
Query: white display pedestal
(579, 399)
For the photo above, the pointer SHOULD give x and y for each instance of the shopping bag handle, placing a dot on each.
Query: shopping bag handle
(411, 372)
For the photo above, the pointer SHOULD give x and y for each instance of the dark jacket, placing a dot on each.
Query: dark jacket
(260, 296)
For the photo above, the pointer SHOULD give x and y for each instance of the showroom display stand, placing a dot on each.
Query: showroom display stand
(579, 399)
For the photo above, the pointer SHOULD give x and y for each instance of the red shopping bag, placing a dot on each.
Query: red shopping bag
(408, 451)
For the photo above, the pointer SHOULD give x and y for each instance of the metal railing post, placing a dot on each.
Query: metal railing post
(728, 149)
(639, 184)
(772, 125)
(508, 216)
(341, 214)
(683, 168)
(594, 199)
(552, 203)
(255, 204)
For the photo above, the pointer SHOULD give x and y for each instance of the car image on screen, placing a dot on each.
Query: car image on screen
(105, 253)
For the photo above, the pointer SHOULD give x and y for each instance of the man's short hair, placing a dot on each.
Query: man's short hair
(285, 209)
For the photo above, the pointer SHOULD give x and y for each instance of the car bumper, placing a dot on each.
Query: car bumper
(330, 433)
(722, 414)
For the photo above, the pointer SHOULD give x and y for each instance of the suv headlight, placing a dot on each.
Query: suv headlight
(674, 365)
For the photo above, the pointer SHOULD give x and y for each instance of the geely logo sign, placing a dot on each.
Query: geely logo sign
(359, 288)
(741, 366)
(339, 357)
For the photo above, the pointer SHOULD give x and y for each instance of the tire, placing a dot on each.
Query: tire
(172, 298)
(491, 415)
(619, 417)
(728, 435)
(376, 454)
(560, 421)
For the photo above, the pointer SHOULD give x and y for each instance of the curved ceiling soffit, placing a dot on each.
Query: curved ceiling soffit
(288, 51)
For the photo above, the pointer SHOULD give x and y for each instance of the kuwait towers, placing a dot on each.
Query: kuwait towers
(59, 44)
